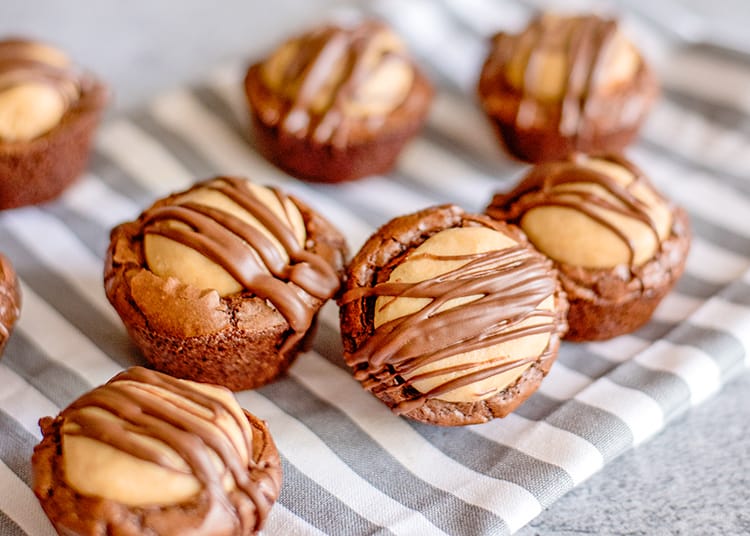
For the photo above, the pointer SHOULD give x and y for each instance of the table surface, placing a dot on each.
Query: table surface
(692, 478)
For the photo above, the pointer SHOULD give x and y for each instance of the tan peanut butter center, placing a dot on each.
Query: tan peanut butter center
(169, 258)
(37, 86)
(437, 256)
(557, 54)
(459, 319)
(334, 75)
(142, 442)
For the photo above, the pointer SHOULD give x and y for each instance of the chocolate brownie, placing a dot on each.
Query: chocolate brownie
(618, 244)
(565, 84)
(451, 318)
(222, 283)
(48, 113)
(337, 103)
(150, 454)
(10, 300)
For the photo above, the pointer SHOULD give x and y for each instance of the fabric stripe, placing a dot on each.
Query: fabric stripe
(16, 447)
(8, 527)
(408, 447)
(318, 462)
(23, 402)
(281, 520)
(369, 460)
(18, 502)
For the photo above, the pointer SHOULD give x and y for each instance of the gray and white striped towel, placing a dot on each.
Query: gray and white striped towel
(352, 467)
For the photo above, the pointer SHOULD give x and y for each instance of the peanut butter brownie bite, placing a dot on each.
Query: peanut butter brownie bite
(565, 84)
(451, 318)
(150, 454)
(619, 246)
(10, 300)
(48, 114)
(222, 283)
(337, 103)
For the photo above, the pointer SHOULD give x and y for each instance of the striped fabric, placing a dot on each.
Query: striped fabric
(350, 466)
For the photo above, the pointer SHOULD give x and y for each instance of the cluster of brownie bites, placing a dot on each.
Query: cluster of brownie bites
(447, 317)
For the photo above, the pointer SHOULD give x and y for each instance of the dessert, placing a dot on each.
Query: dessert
(10, 300)
(565, 84)
(337, 103)
(48, 113)
(618, 245)
(222, 283)
(150, 454)
(450, 318)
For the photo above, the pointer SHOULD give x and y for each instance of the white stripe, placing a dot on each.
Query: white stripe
(62, 252)
(436, 169)
(641, 413)
(619, 349)
(283, 521)
(676, 307)
(488, 16)
(19, 503)
(320, 463)
(727, 317)
(24, 403)
(61, 341)
(563, 382)
(511, 502)
(142, 157)
(579, 458)
(724, 267)
(217, 142)
(384, 196)
(93, 198)
(699, 371)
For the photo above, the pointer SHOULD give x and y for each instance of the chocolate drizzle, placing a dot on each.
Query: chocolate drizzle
(319, 55)
(537, 189)
(512, 283)
(183, 428)
(20, 65)
(585, 43)
(247, 254)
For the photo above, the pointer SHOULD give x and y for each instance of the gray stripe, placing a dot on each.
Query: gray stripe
(89, 231)
(605, 431)
(109, 337)
(328, 344)
(738, 292)
(666, 388)
(545, 481)
(306, 499)
(368, 459)
(579, 358)
(58, 383)
(16, 447)
(723, 347)
(8, 527)
(721, 236)
(118, 179)
(538, 407)
(692, 285)
(726, 115)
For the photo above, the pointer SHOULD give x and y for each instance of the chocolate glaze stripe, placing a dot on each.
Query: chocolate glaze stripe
(320, 464)
(399, 441)
(394, 198)
(373, 462)
(18, 502)
(220, 146)
(66, 297)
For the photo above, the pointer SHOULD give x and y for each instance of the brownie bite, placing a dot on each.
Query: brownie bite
(451, 318)
(10, 300)
(565, 84)
(150, 454)
(49, 111)
(337, 103)
(619, 246)
(222, 283)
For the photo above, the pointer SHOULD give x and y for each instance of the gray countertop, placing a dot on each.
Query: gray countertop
(692, 478)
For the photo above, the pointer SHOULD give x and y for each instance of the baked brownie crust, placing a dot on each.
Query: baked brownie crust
(10, 300)
(379, 256)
